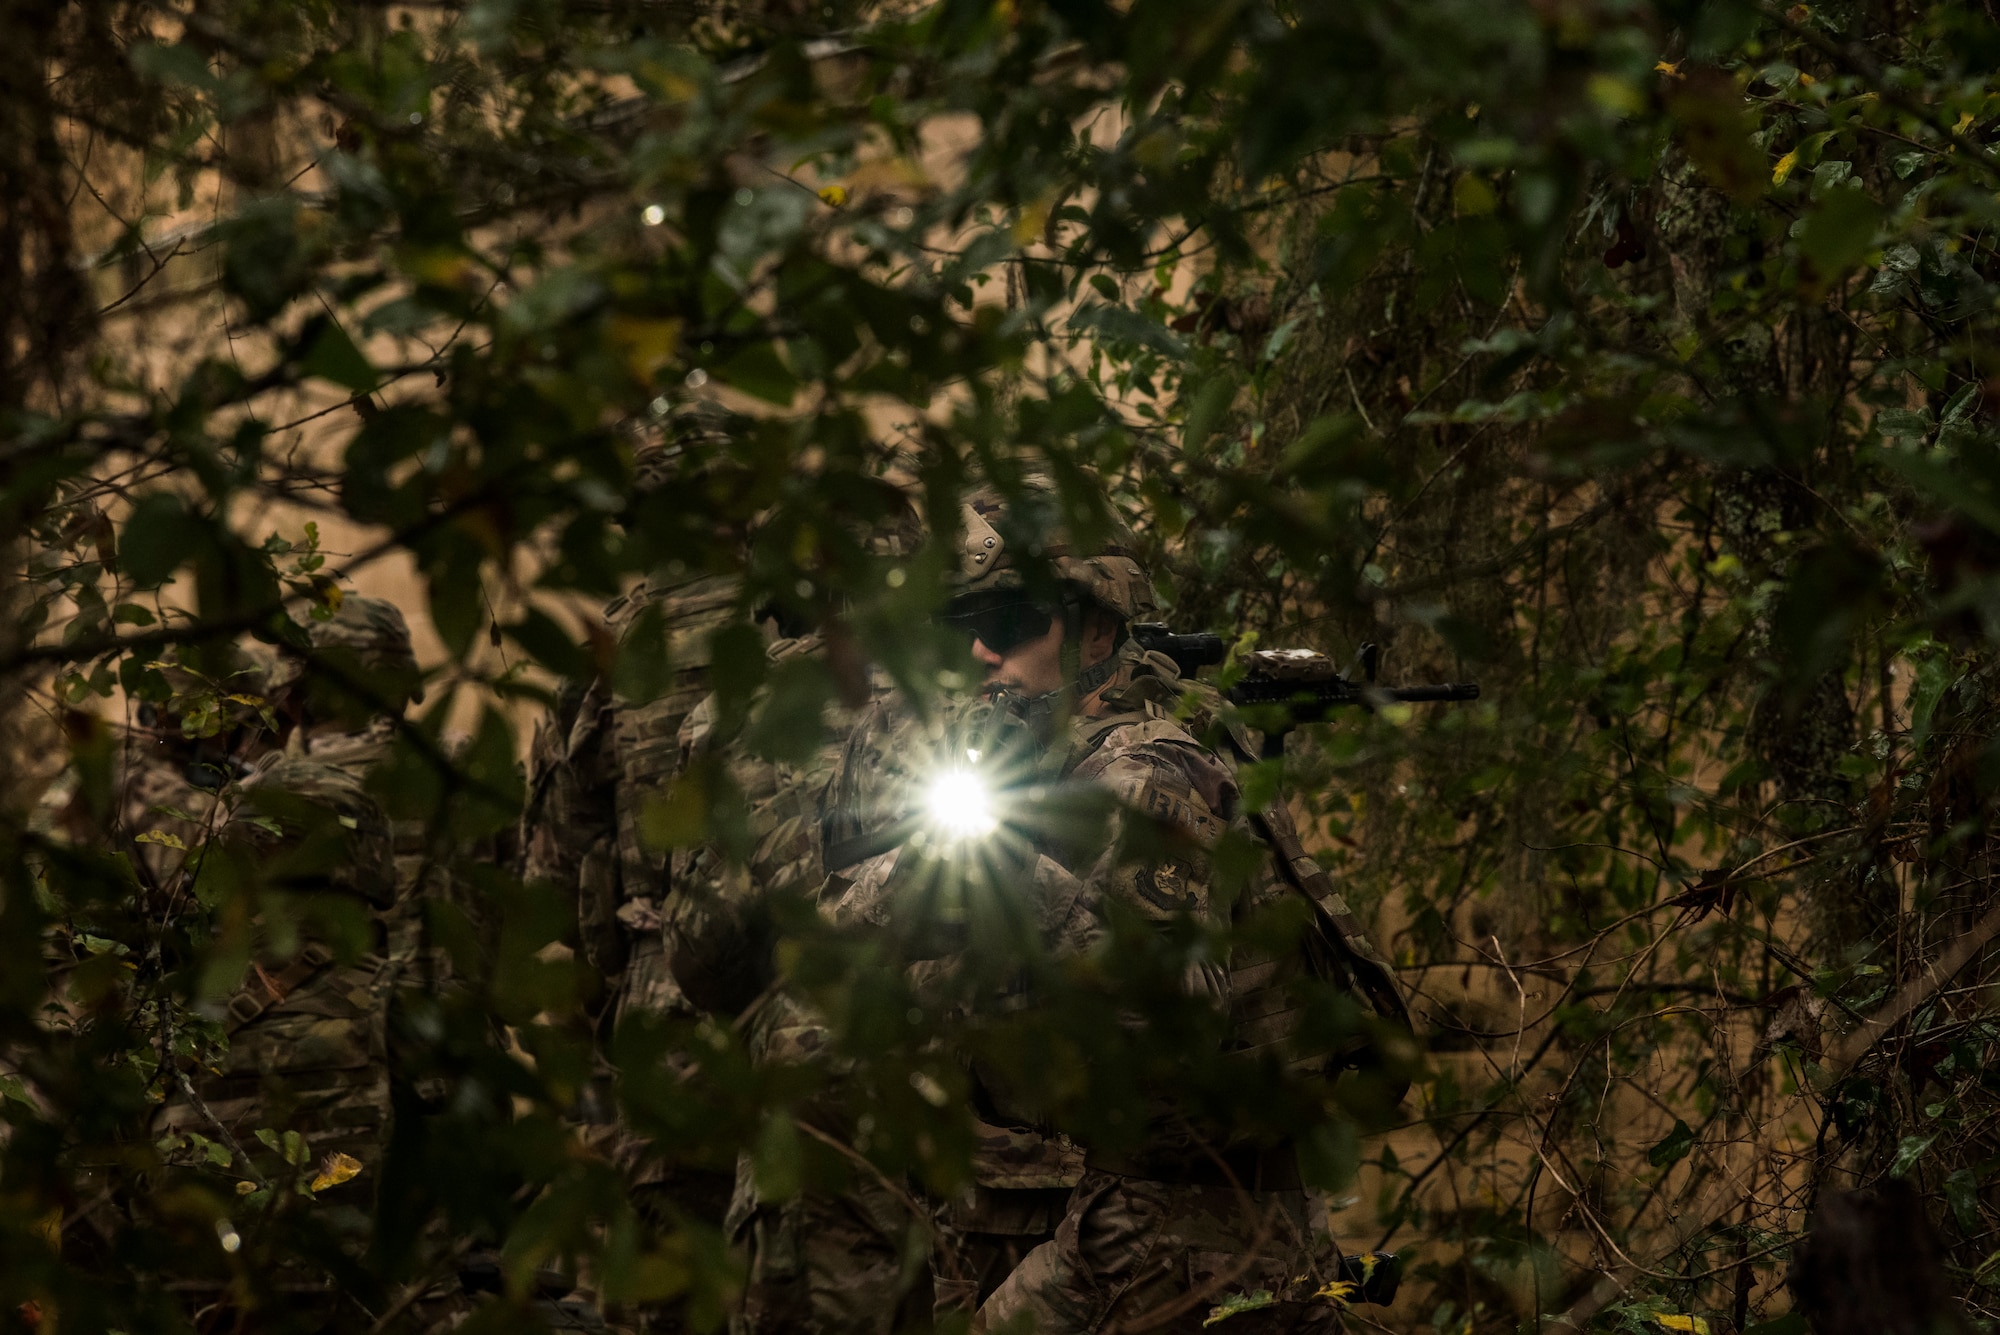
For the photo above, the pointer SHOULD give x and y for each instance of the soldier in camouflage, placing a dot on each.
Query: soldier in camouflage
(849, 1262)
(1153, 1239)
(686, 933)
(821, 1263)
(595, 762)
(307, 1038)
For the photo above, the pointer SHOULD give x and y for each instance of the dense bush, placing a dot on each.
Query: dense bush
(1633, 358)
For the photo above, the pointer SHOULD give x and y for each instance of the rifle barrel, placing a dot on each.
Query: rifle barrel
(1416, 695)
(1309, 700)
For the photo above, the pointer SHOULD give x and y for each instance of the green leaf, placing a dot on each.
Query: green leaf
(1837, 234)
(1674, 1148)
(177, 64)
(1947, 486)
(1961, 1191)
(331, 355)
(158, 538)
(757, 370)
(644, 668)
(541, 635)
(787, 724)
(679, 817)
(1206, 412)
(1121, 324)
(1791, 1323)
(1908, 1152)
(458, 597)
(778, 1161)
(264, 261)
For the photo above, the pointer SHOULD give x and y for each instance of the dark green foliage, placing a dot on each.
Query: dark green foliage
(1636, 361)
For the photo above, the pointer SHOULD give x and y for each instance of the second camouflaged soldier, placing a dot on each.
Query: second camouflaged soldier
(307, 1036)
(846, 1262)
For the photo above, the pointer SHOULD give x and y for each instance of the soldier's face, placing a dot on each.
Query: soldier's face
(1032, 667)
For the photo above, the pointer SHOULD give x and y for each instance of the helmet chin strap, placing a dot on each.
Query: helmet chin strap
(1094, 676)
(1083, 680)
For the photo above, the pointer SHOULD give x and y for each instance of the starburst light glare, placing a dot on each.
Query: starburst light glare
(960, 805)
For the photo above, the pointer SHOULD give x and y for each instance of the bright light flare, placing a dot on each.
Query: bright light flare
(960, 805)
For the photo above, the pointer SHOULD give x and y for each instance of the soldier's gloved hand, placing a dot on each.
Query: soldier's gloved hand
(1375, 1276)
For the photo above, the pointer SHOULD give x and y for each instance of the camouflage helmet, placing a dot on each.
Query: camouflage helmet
(369, 633)
(1107, 573)
(373, 629)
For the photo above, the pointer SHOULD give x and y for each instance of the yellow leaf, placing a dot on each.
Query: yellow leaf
(647, 344)
(1806, 80)
(1784, 167)
(245, 1186)
(1033, 218)
(668, 85)
(1670, 68)
(49, 1228)
(1615, 95)
(1693, 1325)
(340, 1168)
(1472, 197)
(835, 195)
(1964, 120)
(161, 837)
(445, 268)
(1339, 1291)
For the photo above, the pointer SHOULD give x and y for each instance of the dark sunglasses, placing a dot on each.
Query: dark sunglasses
(1002, 620)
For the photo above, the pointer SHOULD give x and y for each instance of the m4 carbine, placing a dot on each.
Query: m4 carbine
(1306, 684)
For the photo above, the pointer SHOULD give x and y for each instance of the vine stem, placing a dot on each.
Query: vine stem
(1727, 1196)
(222, 1132)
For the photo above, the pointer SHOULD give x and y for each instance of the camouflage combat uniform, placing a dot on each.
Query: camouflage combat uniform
(680, 934)
(821, 1263)
(1081, 1241)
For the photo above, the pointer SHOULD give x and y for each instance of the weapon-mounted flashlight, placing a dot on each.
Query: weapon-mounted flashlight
(959, 805)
